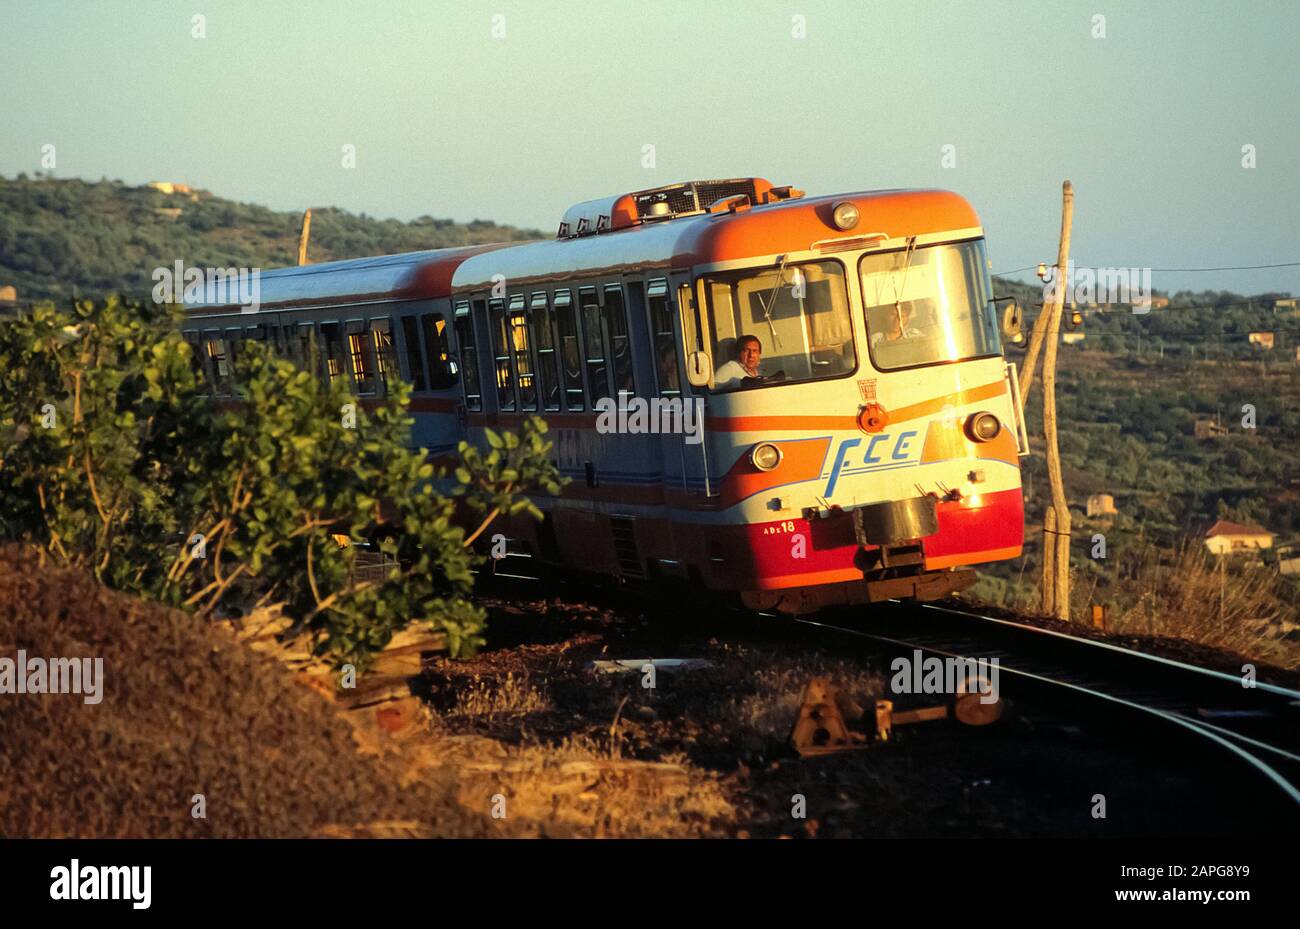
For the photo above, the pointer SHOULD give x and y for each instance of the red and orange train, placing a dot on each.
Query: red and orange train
(815, 404)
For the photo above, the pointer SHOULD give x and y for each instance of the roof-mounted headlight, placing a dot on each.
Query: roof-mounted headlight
(845, 215)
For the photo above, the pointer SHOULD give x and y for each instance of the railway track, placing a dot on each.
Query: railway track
(1259, 725)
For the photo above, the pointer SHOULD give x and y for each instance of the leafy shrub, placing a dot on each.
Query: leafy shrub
(113, 459)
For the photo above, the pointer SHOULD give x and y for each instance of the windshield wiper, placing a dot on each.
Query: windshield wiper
(771, 301)
(899, 291)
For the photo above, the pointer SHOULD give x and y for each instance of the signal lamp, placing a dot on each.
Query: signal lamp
(872, 418)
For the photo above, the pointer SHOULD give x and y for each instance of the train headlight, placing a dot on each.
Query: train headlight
(983, 427)
(844, 215)
(765, 456)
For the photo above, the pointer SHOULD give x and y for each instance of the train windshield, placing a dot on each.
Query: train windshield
(929, 306)
(780, 325)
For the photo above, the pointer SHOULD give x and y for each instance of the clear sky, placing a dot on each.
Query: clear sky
(451, 120)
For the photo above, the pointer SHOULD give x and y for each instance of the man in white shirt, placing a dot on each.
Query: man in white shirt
(895, 325)
(749, 351)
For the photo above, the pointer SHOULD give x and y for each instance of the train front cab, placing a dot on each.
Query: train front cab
(878, 452)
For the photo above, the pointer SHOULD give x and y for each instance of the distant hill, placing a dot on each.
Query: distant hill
(108, 237)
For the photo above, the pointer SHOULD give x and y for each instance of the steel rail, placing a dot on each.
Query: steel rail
(1222, 736)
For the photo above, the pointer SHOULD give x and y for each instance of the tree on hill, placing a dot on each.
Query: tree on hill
(105, 237)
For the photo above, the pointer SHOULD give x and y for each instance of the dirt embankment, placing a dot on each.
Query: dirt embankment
(187, 710)
(184, 711)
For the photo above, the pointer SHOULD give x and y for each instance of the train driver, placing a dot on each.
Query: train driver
(895, 323)
(749, 351)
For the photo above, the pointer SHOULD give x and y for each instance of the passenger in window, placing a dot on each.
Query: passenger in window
(894, 324)
(749, 352)
(668, 371)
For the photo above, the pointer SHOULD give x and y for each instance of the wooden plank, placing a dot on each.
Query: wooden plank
(374, 690)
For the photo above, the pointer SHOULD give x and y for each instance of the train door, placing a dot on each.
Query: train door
(422, 345)
(674, 414)
(691, 444)
(466, 348)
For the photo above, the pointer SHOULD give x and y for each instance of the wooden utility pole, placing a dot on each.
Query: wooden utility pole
(1056, 522)
(1223, 584)
(1048, 580)
(1031, 355)
(303, 237)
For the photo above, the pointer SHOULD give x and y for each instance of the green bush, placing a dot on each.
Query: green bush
(113, 459)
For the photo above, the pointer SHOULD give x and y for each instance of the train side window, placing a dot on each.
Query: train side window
(233, 337)
(665, 343)
(381, 340)
(361, 357)
(619, 344)
(518, 322)
(437, 351)
(218, 364)
(469, 355)
(266, 333)
(570, 351)
(289, 341)
(196, 358)
(411, 343)
(210, 349)
(334, 364)
(279, 336)
(594, 340)
(548, 371)
(301, 342)
(505, 375)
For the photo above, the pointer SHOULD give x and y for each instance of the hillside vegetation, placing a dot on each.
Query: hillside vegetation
(1129, 396)
(1130, 393)
(106, 237)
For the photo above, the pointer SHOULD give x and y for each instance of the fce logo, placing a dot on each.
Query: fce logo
(884, 450)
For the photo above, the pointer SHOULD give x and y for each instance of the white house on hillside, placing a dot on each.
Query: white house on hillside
(1224, 537)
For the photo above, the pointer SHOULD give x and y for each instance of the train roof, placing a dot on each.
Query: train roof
(726, 231)
(772, 228)
(423, 275)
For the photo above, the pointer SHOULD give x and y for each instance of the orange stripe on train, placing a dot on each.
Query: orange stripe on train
(897, 415)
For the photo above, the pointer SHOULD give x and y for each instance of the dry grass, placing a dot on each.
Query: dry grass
(1192, 595)
(771, 707)
(508, 696)
(578, 785)
(1239, 605)
(578, 789)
